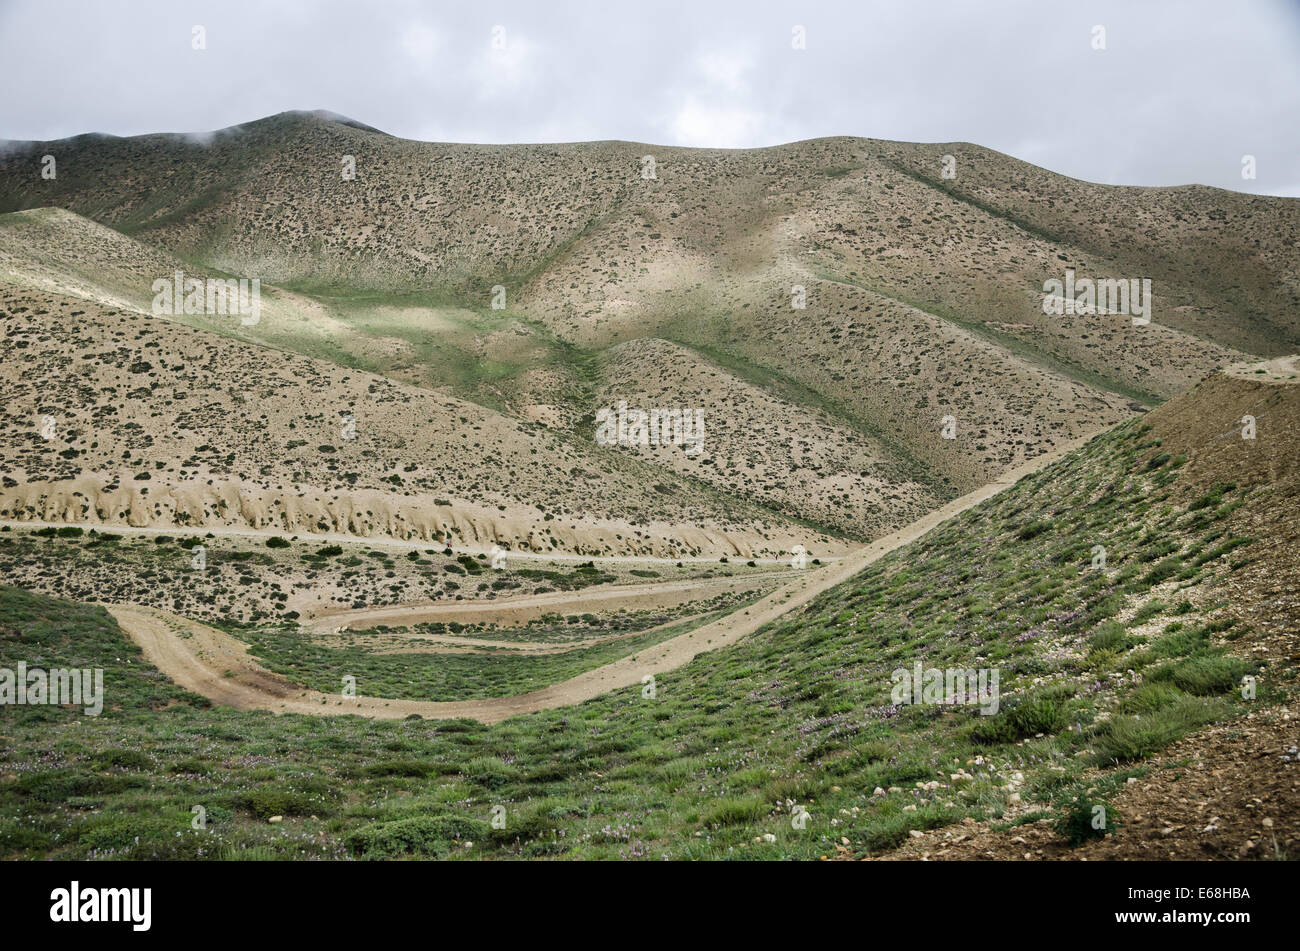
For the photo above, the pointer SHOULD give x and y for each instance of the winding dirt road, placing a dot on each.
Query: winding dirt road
(216, 665)
(413, 642)
(510, 611)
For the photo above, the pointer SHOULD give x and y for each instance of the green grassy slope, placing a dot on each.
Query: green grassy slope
(798, 715)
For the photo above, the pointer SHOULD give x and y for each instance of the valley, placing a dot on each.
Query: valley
(393, 559)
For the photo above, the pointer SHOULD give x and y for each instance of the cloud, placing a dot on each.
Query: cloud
(718, 127)
(419, 41)
(506, 65)
(726, 68)
(1183, 90)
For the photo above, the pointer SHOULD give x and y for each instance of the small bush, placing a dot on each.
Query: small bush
(1162, 571)
(123, 833)
(1179, 641)
(126, 759)
(730, 812)
(433, 836)
(1126, 738)
(1213, 497)
(59, 785)
(1111, 636)
(16, 836)
(1034, 529)
(1081, 817)
(398, 767)
(1148, 611)
(1042, 712)
(489, 772)
(268, 801)
(1205, 675)
(1149, 698)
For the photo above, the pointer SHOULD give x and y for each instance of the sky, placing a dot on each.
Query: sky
(1135, 92)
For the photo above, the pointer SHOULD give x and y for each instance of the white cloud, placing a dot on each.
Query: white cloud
(726, 68)
(1186, 87)
(420, 42)
(718, 127)
(507, 70)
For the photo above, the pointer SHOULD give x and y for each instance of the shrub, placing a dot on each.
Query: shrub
(397, 767)
(887, 829)
(1126, 738)
(127, 759)
(17, 836)
(59, 785)
(1148, 611)
(124, 832)
(267, 801)
(419, 835)
(1149, 698)
(489, 772)
(1111, 636)
(1108, 606)
(1205, 675)
(1034, 529)
(1042, 712)
(1179, 641)
(730, 812)
(1080, 817)
(1213, 497)
(1223, 549)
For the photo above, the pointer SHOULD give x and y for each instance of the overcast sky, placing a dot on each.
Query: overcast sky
(1182, 91)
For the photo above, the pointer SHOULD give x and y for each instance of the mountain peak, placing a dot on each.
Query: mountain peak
(314, 115)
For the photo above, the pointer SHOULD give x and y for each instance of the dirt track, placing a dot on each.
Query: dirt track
(509, 611)
(420, 643)
(1280, 370)
(219, 667)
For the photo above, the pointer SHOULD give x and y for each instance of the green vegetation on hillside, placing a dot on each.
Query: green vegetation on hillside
(799, 715)
(404, 673)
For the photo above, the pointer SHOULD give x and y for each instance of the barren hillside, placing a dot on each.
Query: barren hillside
(121, 418)
(844, 288)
